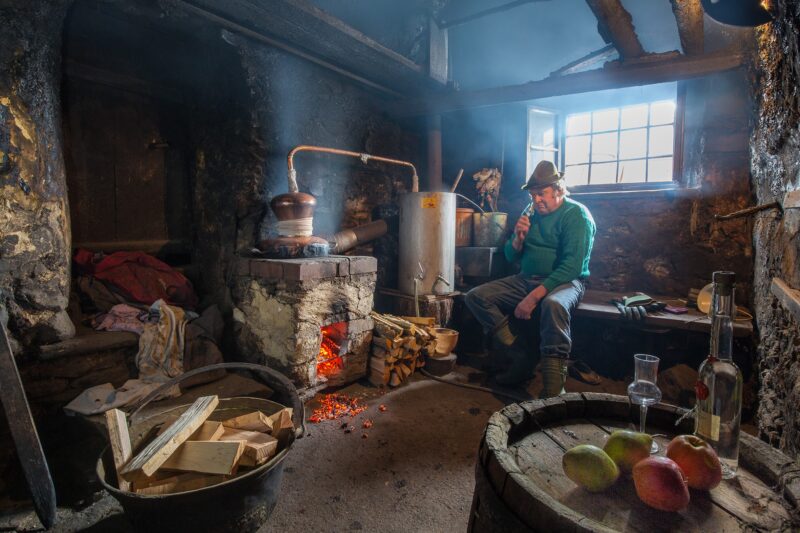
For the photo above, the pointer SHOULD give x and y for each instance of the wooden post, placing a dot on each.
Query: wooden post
(689, 15)
(616, 26)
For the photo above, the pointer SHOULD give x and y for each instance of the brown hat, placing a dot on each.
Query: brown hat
(543, 175)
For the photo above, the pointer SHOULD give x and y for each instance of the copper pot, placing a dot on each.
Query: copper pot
(293, 205)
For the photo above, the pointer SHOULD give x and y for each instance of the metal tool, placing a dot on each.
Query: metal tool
(26, 439)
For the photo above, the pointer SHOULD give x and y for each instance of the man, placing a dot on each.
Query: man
(553, 244)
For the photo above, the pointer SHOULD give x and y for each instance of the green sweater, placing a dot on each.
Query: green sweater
(557, 246)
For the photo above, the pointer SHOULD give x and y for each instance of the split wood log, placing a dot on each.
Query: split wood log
(206, 457)
(210, 430)
(164, 445)
(255, 421)
(120, 442)
(180, 483)
(257, 446)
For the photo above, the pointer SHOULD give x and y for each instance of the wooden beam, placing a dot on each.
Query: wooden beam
(438, 51)
(613, 76)
(486, 12)
(689, 16)
(607, 53)
(616, 27)
(303, 29)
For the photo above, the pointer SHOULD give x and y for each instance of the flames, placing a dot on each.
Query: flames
(329, 362)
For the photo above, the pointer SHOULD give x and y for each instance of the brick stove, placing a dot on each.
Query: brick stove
(308, 318)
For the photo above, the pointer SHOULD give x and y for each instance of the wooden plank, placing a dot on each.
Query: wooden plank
(791, 200)
(789, 297)
(618, 508)
(746, 497)
(255, 421)
(689, 16)
(257, 446)
(210, 430)
(612, 76)
(311, 32)
(206, 457)
(90, 343)
(164, 445)
(180, 483)
(615, 26)
(120, 442)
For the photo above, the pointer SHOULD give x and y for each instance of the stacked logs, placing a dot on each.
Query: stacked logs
(399, 347)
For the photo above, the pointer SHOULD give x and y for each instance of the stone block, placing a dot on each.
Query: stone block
(363, 265)
(241, 266)
(309, 270)
(266, 269)
(344, 267)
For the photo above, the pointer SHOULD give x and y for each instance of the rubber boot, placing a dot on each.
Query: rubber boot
(554, 375)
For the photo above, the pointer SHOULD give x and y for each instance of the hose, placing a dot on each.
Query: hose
(473, 387)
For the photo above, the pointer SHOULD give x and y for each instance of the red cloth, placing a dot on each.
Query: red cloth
(139, 277)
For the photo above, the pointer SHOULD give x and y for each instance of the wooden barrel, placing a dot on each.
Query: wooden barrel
(520, 484)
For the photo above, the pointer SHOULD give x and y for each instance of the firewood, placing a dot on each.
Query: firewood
(257, 446)
(210, 430)
(424, 321)
(120, 443)
(164, 445)
(386, 344)
(405, 371)
(206, 457)
(282, 423)
(379, 378)
(394, 379)
(255, 421)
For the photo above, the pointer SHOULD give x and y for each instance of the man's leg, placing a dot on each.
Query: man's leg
(556, 338)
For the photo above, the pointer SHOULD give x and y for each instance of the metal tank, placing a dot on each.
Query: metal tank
(427, 243)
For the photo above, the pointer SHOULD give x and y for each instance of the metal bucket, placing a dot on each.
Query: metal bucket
(464, 226)
(489, 229)
(240, 504)
(427, 243)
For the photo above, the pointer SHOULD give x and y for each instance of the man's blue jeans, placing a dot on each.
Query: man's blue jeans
(493, 302)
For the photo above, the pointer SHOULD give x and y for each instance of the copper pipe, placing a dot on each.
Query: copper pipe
(364, 159)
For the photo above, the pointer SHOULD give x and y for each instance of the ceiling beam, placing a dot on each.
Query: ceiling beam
(486, 12)
(689, 15)
(615, 26)
(615, 75)
(607, 53)
(304, 30)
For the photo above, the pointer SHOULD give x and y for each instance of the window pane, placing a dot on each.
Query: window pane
(632, 171)
(578, 124)
(548, 137)
(577, 175)
(660, 169)
(604, 173)
(633, 144)
(577, 150)
(662, 113)
(605, 120)
(634, 116)
(661, 140)
(604, 147)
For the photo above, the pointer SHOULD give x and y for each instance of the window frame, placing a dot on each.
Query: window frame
(677, 152)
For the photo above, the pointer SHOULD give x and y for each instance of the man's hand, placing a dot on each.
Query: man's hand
(521, 231)
(528, 304)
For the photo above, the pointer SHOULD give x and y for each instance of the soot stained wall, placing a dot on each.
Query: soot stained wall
(774, 150)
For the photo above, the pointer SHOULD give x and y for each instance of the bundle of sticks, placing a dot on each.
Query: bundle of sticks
(191, 451)
(399, 347)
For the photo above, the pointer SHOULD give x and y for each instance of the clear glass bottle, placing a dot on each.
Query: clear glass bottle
(719, 385)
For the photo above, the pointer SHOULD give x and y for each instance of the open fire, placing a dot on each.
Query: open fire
(329, 359)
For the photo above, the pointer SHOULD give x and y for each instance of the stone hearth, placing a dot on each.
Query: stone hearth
(282, 305)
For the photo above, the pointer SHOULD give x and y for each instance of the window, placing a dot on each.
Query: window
(608, 140)
(632, 144)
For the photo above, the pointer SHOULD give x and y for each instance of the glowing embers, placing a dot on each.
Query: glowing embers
(329, 360)
(333, 406)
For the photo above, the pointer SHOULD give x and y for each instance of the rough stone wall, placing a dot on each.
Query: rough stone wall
(34, 217)
(775, 146)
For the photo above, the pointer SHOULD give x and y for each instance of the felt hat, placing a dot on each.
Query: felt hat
(543, 175)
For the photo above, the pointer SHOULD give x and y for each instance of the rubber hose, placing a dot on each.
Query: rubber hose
(473, 387)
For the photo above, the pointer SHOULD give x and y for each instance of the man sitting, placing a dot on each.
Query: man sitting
(553, 244)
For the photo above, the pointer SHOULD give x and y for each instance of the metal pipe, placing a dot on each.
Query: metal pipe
(350, 238)
(748, 211)
(364, 159)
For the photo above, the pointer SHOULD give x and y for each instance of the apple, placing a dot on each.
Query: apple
(661, 484)
(697, 459)
(627, 448)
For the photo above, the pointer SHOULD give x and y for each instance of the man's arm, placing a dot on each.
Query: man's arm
(575, 247)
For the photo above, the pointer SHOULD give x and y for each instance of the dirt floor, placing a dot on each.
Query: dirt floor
(413, 472)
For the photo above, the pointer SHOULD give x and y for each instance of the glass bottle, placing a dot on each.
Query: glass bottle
(719, 385)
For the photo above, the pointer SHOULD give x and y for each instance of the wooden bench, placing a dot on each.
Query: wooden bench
(597, 304)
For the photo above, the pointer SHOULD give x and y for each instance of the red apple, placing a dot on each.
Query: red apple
(660, 484)
(697, 459)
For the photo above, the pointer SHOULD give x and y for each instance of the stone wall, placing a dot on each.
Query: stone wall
(34, 218)
(775, 160)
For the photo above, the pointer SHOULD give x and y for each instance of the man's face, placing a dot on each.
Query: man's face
(546, 199)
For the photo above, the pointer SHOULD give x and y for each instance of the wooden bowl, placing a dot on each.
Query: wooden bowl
(446, 340)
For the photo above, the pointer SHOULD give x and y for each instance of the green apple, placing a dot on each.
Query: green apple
(626, 448)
